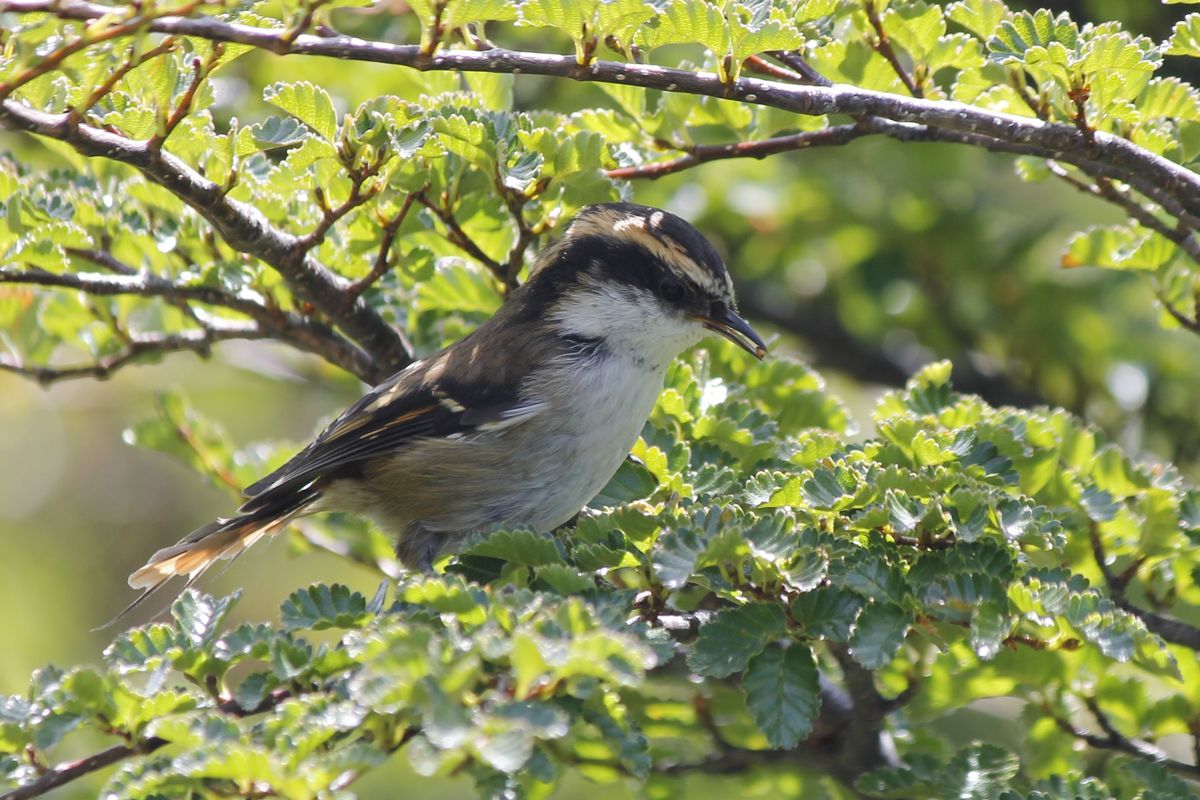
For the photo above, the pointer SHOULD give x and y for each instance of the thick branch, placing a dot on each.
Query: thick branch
(1107, 154)
(243, 227)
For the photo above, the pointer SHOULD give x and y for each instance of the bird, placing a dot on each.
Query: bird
(520, 423)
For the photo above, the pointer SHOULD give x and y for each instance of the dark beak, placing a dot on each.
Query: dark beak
(727, 323)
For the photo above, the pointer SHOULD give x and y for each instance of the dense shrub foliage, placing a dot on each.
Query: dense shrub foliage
(761, 592)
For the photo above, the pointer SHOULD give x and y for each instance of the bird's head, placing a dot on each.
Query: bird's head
(640, 280)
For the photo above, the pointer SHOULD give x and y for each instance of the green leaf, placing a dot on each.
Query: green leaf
(783, 693)
(1185, 37)
(976, 772)
(980, 17)
(989, 628)
(1124, 247)
(878, 634)
(698, 21)
(306, 102)
(632, 481)
(199, 616)
(278, 132)
(518, 547)
(727, 643)
(875, 579)
(320, 606)
(675, 556)
(828, 612)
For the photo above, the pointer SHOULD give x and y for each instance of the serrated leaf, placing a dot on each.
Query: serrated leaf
(989, 629)
(828, 612)
(878, 634)
(727, 643)
(806, 571)
(675, 556)
(320, 606)
(518, 547)
(1185, 37)
(1124, 247)
(308, 103)
(980, 17)
(783, 693)
(278, 132)
(199, 616)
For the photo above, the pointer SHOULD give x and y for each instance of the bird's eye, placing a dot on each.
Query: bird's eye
(671, 290)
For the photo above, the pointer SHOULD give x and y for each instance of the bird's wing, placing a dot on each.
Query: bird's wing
(408, 406)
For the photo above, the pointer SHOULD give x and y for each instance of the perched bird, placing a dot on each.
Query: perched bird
(522, 422)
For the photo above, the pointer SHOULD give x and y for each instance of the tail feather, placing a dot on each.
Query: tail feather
(223, 539)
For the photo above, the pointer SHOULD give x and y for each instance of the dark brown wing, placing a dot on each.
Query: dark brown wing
(410, 405)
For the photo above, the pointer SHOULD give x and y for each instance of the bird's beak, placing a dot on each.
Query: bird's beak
(736, 330)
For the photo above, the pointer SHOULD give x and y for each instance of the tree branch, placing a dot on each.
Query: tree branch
(1105, 153)
(1115, 740)
(243, 227)
(883, 45)
(302, 333)
(136, 347)
(761, 148)
(460, 239)
(381, 265)
(73, 770)
(1172, 630)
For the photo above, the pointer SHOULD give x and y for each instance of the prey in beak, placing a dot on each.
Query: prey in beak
(726, 322)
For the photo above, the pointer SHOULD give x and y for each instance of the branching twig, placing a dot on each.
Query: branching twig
(1115, 740)
(243, 227)
(380, 267)
(460, 239)
(1172, 630)
(304, 334)
(77, 113)
(200, 70)
(1108, 154)
(73, 770)
(330, 217)
(699, 154)
(136, 347)
(883, 45)
(799, 64)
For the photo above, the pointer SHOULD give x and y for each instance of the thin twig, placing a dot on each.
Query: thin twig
(294, 329)
(137, 347)
(200, 69)
(1172, 630)
(1109, 154)
(796, 62)
(77, 113)
(761, 148)
(380, 267)
(73, 770)
(883, 45)
(356, 197)
(1115, 740)
(460, 239)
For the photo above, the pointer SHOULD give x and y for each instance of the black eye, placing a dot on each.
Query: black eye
(671, 290)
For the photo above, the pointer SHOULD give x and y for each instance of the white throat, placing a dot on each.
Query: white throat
(630, 322)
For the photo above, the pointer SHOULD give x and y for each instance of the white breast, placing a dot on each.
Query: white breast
(589, 435)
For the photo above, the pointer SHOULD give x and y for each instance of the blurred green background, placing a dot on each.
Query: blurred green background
(868, 261)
